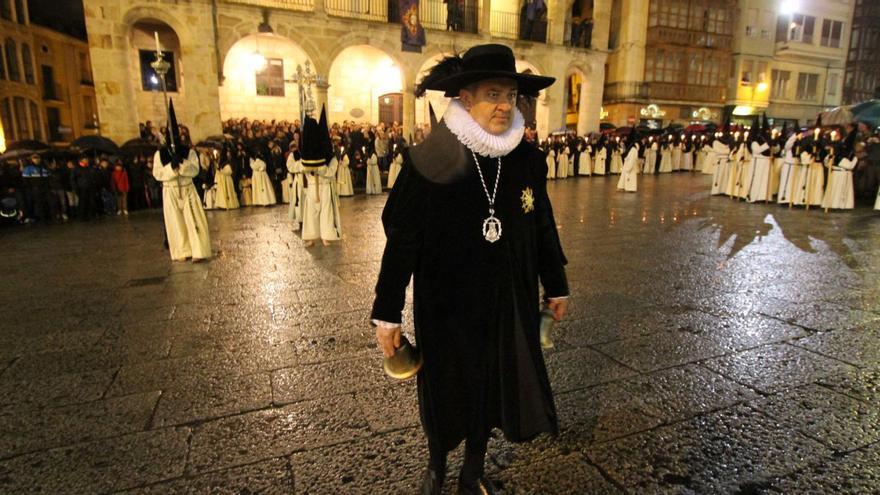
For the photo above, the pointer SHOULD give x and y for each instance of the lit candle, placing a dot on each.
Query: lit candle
(158, 48)
(816, 133)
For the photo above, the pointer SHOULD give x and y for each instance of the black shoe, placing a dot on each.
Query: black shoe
(480, 487)
(432, 483)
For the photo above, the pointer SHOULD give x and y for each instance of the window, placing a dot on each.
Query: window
(90, 116)
(6, 119)
(801, 28)
(614, 30)
(49, 92)
(762, 72)
(28, 62)
(20, 12)
(85, 71)
(270, 81)
(36, 121)
(831, 31)
(806, 88)
(746, 72)
(780, 83)
(21, 119)
(752, 23)
(149, 78)
(12, 61)
(832, 84)
(6, 9)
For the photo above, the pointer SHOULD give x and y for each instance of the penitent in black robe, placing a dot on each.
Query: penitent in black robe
(476, 304)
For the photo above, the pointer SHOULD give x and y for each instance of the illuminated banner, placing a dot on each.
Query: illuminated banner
(412, 34)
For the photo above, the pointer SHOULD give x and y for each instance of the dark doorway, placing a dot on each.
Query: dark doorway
(391, 108)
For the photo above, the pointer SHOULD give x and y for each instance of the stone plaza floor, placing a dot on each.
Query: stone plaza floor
(712, 346)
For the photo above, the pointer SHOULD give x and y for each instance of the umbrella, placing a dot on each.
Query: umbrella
(695, 128)
(207, 143)
(95, 144)
(219, 138)
(15, 155)
(28, 145)
(604, 126)
(138, 146)
(868, 111)
(839, 115)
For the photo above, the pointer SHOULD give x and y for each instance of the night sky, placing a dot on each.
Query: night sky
(61, 15)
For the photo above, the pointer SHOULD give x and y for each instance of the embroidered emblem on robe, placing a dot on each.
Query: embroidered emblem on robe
(528, 200)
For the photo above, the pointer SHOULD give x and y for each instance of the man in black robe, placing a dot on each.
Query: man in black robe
(469, 219)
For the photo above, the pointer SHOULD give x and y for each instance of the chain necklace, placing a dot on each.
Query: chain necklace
(491, 225)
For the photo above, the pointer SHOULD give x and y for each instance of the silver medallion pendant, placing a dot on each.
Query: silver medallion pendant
(492, 227)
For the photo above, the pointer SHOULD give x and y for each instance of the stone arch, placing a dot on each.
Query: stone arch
(436, 98)
(229, 36)
(348, 96)
(246, 94)
(542, 114)
(389, 48)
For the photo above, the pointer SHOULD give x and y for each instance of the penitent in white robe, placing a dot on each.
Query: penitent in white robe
(706, 162)
(718, 156)
(840, 194)
(651, 159)
(599, 165)
(562, 165)
(286, 187)
(616, 160)
(374, 178)
(343, 177)
(877, 202)
(551, 164)
(687, 160)
(571, 161)
(758, 181)
(787, 173)
(810, 183)
(393, 170)
(676, 157)
(263, 192)
(629, 173)
(185, 222)
(321, 205)
(585, 163)
(226, 197)
(297, 195)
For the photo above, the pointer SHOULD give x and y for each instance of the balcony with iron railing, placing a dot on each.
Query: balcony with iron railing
(685, 37)
(433, 14)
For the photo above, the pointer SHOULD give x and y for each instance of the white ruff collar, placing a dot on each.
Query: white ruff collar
(469, 132)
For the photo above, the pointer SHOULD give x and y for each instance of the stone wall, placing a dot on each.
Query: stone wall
(320, 37)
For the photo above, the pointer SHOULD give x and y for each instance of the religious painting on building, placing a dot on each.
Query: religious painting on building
(412, 34)
(270, 80)
(149, 79)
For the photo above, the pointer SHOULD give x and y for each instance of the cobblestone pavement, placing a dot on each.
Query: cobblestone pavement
(712, 346)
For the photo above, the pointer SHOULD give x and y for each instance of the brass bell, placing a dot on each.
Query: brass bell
(547, 322)
(405, 363)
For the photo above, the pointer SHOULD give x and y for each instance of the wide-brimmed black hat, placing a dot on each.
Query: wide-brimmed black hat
(479, 63)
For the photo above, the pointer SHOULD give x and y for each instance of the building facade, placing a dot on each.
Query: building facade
(669, 61)
(862, 77)
(239, 58)
(810, 49)
(46, 89)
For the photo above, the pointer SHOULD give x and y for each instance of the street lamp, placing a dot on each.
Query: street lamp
(789, 7)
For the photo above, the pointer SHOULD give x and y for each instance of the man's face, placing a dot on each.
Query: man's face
(491, 103)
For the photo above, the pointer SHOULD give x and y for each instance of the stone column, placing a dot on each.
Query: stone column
(319, 91)
(591, 101)
(486, 18)
(409, 113)
(557, 18)
(601, 23)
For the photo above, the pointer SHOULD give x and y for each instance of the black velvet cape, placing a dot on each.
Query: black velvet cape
(476, 304)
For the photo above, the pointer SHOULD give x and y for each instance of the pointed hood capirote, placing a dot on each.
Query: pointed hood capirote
(173, 139)
(481, 62)
(316, 149)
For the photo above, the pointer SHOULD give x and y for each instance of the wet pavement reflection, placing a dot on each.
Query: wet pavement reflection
(712, 346)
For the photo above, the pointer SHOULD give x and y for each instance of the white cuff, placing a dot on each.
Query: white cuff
(385, 324)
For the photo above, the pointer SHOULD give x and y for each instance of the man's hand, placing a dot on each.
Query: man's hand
(558, 307)
(389, 339)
